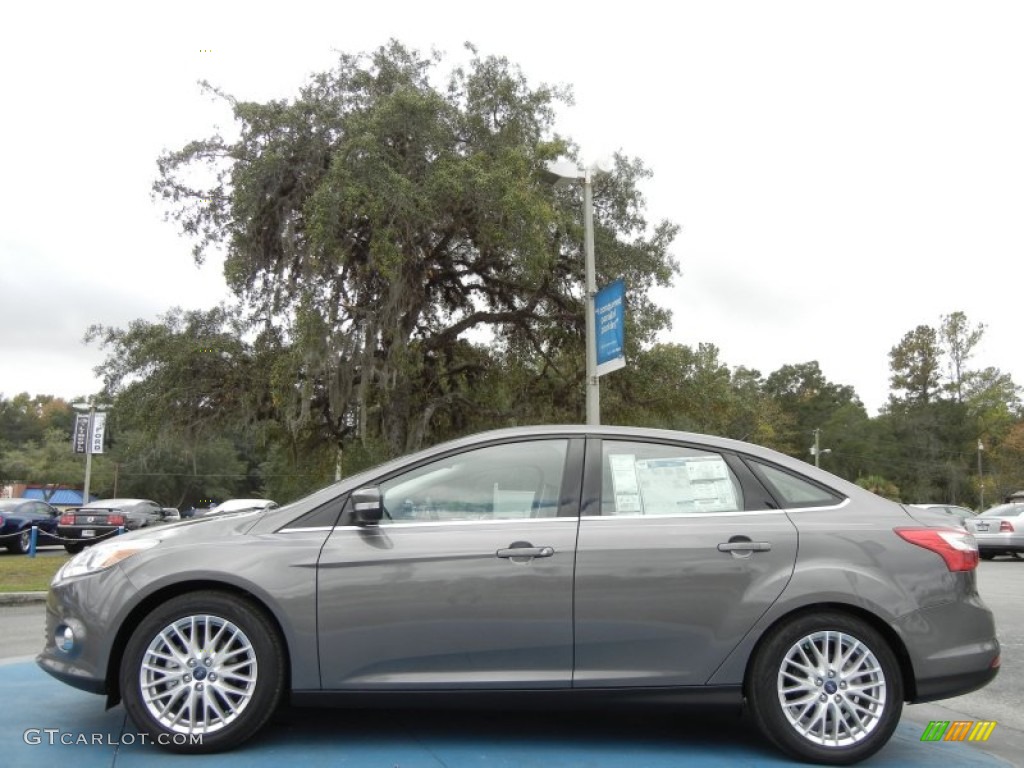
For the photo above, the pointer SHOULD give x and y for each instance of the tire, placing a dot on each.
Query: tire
(224, 641)
(20, 544)
(785, 693)
(987, 556)
(74, 549)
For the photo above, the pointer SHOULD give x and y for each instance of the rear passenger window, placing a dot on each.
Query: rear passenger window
(795, 491)
(655, 479)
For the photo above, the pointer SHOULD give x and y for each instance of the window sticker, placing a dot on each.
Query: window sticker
(625, 485)
(685, 485)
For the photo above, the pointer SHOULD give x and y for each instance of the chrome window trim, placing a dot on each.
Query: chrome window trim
(433, 524)
(738, 513)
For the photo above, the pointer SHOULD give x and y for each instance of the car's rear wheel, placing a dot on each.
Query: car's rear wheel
(826, 688)
(21, 543)
(202, 672)
(987, 555)
(74, 549)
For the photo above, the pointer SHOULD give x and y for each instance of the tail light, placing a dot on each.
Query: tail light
(67, 520)
(115, 519)
(957, 547)
(1005, 526)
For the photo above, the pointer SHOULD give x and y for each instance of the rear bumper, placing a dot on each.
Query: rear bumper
(999, 544)
(87, 533)
(953, 649)
(953, 685)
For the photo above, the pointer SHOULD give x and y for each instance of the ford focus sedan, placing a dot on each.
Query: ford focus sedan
(564, 566)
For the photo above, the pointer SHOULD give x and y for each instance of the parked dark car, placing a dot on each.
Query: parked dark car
(567, 566)
(102, 519)
(17, 516)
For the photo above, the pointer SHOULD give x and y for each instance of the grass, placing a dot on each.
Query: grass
(21, 573)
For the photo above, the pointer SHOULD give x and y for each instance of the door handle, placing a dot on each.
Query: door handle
(745, 546)
(526, 552)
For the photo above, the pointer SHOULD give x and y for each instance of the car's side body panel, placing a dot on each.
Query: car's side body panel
(657, 602)
(433, 605)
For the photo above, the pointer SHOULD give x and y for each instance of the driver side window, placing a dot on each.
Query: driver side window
(500, 482)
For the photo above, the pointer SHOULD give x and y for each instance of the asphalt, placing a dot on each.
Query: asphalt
(44, 722)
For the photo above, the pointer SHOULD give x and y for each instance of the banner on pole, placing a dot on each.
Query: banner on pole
(80, 437)
(98, 426)
(610, 321)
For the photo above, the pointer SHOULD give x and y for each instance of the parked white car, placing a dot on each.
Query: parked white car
(237, 505)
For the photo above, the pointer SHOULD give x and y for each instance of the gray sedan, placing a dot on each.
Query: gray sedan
(564, 566)
(999, 530)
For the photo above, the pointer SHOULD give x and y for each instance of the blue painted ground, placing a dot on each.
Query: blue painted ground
(32, 701)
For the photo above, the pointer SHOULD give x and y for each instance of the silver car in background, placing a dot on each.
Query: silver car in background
(999, 530)
(566, 566)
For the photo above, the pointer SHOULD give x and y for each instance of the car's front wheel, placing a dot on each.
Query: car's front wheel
(202, 672)
(826, 688)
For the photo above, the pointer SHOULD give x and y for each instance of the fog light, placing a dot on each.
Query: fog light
(64, 638)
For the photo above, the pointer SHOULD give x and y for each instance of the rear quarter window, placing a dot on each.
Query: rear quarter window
(795, 490)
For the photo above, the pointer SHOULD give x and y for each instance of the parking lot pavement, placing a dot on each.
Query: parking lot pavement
(38, 713)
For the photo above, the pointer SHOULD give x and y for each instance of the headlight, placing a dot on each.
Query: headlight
(100, 556)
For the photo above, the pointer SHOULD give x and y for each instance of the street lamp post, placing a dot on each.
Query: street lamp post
(91, 409)
(817, 450)
(564, 172)
(981, 479)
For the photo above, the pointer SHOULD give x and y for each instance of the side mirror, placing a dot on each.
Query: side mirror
(368, 506)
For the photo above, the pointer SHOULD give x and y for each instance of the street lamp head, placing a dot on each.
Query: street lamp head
(561, 173)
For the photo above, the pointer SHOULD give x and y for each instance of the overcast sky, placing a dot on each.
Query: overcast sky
(842, 172)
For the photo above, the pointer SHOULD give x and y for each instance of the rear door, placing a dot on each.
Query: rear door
(466, 583)
(678, 558)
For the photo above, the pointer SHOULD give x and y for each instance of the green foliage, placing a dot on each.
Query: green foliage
(51, 461)
(174, 473)
(879, 485)
(376, 220)
(916, 366)
(959, 340)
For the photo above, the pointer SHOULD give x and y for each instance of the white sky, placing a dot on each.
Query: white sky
(842, 171)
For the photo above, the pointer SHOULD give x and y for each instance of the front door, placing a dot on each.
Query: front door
(466, 582)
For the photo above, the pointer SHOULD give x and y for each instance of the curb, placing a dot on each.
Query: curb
(22, 598)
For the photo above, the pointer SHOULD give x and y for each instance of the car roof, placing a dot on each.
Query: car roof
(1005, 510)
(118, 502)
(615, 432)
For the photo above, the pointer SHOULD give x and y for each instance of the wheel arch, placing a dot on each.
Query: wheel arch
(160, 596)
(881, 626)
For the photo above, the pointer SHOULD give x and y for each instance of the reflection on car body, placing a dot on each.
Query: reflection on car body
(574, 565)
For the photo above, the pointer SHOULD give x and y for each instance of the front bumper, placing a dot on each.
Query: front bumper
(92, 607)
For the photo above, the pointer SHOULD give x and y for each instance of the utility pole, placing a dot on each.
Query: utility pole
(981, 480)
